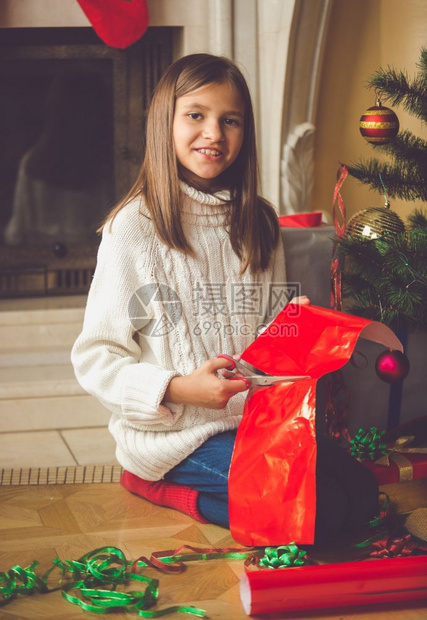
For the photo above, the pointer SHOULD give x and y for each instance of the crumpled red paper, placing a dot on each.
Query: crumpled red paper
(272, 482)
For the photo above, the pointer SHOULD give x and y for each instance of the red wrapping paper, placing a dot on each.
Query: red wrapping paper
(334, 585)
(272, 486)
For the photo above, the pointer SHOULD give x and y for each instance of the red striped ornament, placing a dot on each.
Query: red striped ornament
(379, 125)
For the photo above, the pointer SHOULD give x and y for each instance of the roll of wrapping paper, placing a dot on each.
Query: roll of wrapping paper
(334, 585)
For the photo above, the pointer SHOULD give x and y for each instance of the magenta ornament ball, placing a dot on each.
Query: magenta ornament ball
(392, 366)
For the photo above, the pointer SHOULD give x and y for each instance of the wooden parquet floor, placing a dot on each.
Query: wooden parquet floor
(43, 522)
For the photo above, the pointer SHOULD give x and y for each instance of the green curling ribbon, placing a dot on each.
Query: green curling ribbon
(20, 580)
(283, 557)
(91, 582)
(368, 444)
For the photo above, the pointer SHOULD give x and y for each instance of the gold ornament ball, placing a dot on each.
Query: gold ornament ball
(375, 223)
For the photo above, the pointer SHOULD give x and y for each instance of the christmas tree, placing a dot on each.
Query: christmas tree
(384, 275)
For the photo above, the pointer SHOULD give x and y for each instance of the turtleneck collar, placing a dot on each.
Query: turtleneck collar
(202, 208)
(218, 198)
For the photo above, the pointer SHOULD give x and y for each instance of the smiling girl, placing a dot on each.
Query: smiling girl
(186, 270)
(208, 133)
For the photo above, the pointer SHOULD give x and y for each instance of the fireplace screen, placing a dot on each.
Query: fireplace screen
(71, 145)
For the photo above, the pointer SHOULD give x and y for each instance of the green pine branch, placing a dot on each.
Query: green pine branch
(422, 64)
(417, 220)
(400, 180)
(396, 88)
(407, 147)
(386, 279)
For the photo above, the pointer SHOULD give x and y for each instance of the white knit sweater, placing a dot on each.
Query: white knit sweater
(132, 345)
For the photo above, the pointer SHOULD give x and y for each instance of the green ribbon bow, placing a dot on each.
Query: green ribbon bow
(283, 557)
(368, 444)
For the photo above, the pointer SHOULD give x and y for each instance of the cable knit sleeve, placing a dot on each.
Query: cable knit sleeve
(107, 358)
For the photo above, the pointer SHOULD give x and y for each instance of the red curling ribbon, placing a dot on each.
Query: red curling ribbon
(336, 284)
(342, 175)
(390, 547)
(338, 396)
(172, 561)
(272, 481)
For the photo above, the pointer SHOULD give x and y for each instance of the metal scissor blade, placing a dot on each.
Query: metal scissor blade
(265, 379)
(271, 380)
(248, 370)
(251, 374)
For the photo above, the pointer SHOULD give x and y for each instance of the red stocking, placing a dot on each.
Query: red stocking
(119, 23)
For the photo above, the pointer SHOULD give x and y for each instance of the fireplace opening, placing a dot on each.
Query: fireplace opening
(74, 114)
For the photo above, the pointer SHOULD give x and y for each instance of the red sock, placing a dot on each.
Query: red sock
(163, 493)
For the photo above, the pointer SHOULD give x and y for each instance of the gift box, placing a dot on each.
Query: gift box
(406, 457)
(308, 260)
(302, 220)
(401, 468)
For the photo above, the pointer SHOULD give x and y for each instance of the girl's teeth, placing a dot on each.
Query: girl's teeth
(209, 152)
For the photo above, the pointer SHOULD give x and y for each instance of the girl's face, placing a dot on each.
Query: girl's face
(208, 132)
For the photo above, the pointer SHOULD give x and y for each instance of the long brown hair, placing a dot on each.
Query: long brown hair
(253, 225)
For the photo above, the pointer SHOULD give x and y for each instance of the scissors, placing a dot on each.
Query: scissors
(252, 379)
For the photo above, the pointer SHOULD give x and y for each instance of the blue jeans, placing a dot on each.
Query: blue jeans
(346, 492)
(206, 470)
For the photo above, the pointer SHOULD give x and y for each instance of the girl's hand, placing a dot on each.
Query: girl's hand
(203, 387)
(232, 374)
(303, 300)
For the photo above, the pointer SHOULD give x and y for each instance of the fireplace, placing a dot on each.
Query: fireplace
(72, 145)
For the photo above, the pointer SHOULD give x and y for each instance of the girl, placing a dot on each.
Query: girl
(186, 270)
